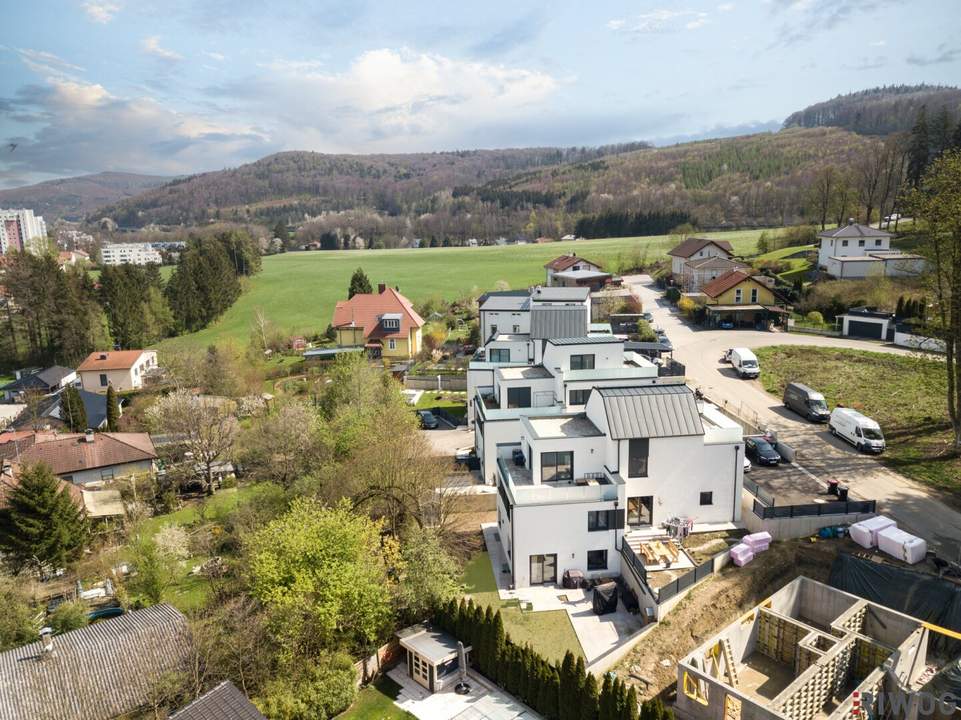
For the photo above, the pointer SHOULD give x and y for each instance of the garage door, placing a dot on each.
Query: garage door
(865, 329)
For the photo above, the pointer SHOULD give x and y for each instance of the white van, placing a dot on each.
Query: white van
(859, 430)
(745, 363)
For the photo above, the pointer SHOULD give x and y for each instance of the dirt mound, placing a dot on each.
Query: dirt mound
(716, 603)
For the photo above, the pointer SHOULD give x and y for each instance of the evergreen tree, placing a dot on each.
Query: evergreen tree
(956, 137)
(620, 699)
(551, 710)
(41, 526)
(485, 658)
(568, 706)
(899, 309)
(919, 148)
(498, 642)
(113, 410)
(72, 411)
(280, 231)
(359, 284)
(526, 683)
(605, 703)
(631, 702)
(941, 129)
(589, 698)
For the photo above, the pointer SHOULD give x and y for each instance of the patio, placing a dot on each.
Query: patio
(598, 635)
(485, 701)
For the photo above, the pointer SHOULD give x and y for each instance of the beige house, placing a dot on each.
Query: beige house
(123, 369)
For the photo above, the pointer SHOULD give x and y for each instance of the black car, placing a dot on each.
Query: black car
(761, 451)
(428, 420)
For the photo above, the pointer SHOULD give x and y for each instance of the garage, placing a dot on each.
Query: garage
(858, 328)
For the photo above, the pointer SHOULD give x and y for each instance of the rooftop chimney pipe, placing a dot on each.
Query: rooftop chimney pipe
(381, 287)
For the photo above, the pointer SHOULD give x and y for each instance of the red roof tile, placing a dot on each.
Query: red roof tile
(563, 262)
(72, 453)
(364, 311)
(725, 282)
(110, 360)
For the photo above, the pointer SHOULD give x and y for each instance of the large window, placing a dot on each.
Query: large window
(557, 466)
(579, 397)
(598, 520)
(500, 355)
(637, 456)
(596, 560)
(582, 362)
(519, 397)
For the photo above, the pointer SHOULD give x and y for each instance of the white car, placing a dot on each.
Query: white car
(747, 465)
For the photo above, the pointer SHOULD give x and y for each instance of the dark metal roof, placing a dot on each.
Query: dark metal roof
(651, 411)
(854, 230)
(560, 294)
(224, 702)
(46, 379)
(496, 301)
(558, 321)
(586, 340)
(98, 672)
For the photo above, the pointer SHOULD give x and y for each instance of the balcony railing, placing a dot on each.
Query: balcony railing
(592, 487)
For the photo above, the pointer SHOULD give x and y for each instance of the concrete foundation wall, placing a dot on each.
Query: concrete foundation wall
(788, 528)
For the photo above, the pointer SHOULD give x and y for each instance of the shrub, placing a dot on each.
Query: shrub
(645, 333)
(673, 295)
(815, 318)
(68, 616)
(687, 306)
(325, 689)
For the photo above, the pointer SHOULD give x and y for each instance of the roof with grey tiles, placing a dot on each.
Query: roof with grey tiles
(224, 702)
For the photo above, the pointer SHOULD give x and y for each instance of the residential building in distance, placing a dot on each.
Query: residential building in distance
(739, 299)
(107, 670)
(89, 458)
(698, 272)
(697, 249)
(385, 323)
(49, 412)
(855, 251)
(573, 271)
(124, 369)
(21, 230)
(36, 380)
(129, 253)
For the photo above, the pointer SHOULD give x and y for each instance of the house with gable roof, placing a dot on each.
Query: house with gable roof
(697, 249)
(384, 322)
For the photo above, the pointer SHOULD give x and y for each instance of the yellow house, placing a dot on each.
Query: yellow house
(741, 299)
(384, 322)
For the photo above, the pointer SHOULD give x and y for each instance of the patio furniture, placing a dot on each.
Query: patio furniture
(573, 579)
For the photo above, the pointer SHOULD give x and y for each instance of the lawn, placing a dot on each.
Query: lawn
(454, 403)
(297, 290)
(905, 394)
(376, 702)
(549, 632)
(796, 266)
(5, 379)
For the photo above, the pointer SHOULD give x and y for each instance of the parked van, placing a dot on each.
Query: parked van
(857, 429)
(806, 402)
(745, 363)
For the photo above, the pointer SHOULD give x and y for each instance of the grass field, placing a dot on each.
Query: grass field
(797, 266)
(905, 394)
(549, 632)
(454, 403)
(297, 291)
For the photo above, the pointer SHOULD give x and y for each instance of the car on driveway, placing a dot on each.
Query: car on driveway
(726, 325)
(428, 420)
(747, 465)
(761, 451)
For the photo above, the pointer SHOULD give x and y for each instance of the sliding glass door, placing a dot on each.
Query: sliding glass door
(543, 569)
(640, 510)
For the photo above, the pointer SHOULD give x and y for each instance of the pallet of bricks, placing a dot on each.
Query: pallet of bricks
(749, 547)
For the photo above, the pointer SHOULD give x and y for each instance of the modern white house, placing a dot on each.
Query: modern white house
(129, 253)
(855, 252)
(123, 369)
(575, 485)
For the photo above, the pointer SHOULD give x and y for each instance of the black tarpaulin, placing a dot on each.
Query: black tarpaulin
(605, 599)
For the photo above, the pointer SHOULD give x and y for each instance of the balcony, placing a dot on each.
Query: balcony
(591, 487)
(487, 396)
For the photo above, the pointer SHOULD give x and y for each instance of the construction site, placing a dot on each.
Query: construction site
(811, 651)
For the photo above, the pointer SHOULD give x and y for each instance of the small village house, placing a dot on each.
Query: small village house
(699, 272)
(36, 380)
(385, 323)
(855, 251)
(697, 249)
(123, 369)
(573, 271)
(89, 458)
(741, 299)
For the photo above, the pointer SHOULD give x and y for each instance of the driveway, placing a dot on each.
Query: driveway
(446, 441)
(823, 456)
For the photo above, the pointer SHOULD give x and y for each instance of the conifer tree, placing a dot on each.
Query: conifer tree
(551, 710)
(632, 711)
(919, 149)
(72, 411)
(113, 410)
(568, 706)
(359, 284)
(589, 698)
(606, 700)
(41, 526)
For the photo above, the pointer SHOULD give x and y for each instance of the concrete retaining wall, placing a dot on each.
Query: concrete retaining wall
(787, 528)
(429, 382)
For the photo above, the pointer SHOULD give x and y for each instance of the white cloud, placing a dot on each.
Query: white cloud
(219, 57)
(660, 20)
(47, 64)
(101, 12)
(725, 7)
(391, 100)
(151, 46)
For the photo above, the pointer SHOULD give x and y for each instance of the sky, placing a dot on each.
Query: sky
(173, 87)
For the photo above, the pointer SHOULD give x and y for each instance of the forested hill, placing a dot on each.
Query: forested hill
(880, 111)
(73, 198)
(290, 185)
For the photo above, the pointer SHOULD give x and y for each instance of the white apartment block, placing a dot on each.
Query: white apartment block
(129, 253)
(21, 230)
(585, 442)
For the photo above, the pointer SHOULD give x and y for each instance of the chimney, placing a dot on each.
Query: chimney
(381, 288)
(102, 356)
(88, 436)
(46, 642)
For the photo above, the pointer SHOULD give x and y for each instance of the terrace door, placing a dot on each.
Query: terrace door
(640, 510)
(543, 569)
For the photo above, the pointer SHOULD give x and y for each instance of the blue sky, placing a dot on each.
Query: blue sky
(181, 86)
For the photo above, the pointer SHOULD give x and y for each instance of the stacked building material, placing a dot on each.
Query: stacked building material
(758, 542)
(742, 554)
(901, 545)
(865, 533)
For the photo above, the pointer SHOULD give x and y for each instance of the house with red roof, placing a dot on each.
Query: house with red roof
(124, 369)
(740, 299)
(385, 323)
(573, 271)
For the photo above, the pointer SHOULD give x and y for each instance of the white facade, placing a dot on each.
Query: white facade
(581, 264)
(875, 264)
(708, 251)
(129, 253)
(21, 230)
(851, 247)
(99, 371)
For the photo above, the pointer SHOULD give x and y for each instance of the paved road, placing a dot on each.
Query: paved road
(822, 455)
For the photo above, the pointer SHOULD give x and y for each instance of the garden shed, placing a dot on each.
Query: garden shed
(432, 657)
